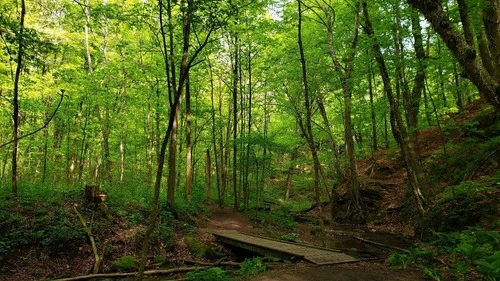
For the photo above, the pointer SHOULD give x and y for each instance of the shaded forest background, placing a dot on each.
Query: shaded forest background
(236, 82)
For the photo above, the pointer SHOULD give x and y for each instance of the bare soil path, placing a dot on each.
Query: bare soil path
(378, 270)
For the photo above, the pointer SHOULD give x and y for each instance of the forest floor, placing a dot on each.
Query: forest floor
(374, 270)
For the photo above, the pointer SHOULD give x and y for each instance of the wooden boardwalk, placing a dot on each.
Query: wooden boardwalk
(281, 249)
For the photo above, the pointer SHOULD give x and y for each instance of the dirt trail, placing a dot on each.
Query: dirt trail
(378, 270)
(228, 218)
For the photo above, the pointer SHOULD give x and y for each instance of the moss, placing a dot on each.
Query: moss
(125, 263)
(199, 249)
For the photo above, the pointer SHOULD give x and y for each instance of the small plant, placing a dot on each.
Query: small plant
(290, 236)
(414, 255)
(199, 249)
(400, 260)
(252, 267)
(212, 274)
(433, 273)
(490, 266)
(125, 263)
(470, 252)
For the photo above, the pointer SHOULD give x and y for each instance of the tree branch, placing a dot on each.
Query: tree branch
(41, 128)
(130, 274)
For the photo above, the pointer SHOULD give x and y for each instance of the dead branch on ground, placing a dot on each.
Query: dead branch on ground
(130, 274)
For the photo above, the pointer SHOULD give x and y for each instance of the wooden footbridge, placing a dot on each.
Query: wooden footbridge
(281, 249)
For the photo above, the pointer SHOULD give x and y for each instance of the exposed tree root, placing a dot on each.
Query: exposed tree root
(130, 274)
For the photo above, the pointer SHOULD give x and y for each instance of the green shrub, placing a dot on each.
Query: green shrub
(251, 267)
(289, 236)
(125, 263)
(413, 256)
(198, 249)
(212, 274)
(490, 266)
(468, 253)
(400, 260)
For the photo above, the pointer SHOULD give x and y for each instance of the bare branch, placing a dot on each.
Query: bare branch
(41, 128)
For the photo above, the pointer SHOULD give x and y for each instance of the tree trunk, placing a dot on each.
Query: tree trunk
(486, 83)
(458, 92)
(214, 135)
(333, 144)
(189, 149)
(208, 176)
(15, 101)
(413, 104)
(441, 77)
(372, 109)
(291, 169)
(235, 120)
(106, 131)
(246, 197)
(491, 20)
(186, 5)
(413, 168)
(345, 74)
(307, 105)
(88, 57)
(172, 158)
(466, 24)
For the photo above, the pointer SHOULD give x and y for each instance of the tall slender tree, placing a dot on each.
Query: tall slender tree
(399, 130)
(345, 74)
(15, 100)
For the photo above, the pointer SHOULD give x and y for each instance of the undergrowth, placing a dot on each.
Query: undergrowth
(212, 274)
(464, 255)
(43, 224)
(279, 218)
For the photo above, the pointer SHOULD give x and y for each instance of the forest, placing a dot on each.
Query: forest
(129, 128)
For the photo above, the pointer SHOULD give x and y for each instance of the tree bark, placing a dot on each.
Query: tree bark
(463, 10)
(486, 83)
(214, 135)
(413, 168)
(189, 148)
(333, 144)
(208, 175)
(289, 175)
(307, 105)
(186, 5)
(413, 104)
(235, 119)
(15, 100)
(372, 109)
(345, 74)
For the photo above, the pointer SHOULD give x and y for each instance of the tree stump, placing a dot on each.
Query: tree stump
(94, 198)
(92, 193)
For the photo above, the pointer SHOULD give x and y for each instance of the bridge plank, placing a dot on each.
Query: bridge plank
(282, 249)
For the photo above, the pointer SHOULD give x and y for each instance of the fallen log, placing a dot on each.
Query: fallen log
(130, 274)
(217, 263)
(380, 244)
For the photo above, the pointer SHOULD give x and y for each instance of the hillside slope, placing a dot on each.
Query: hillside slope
(461, 162)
